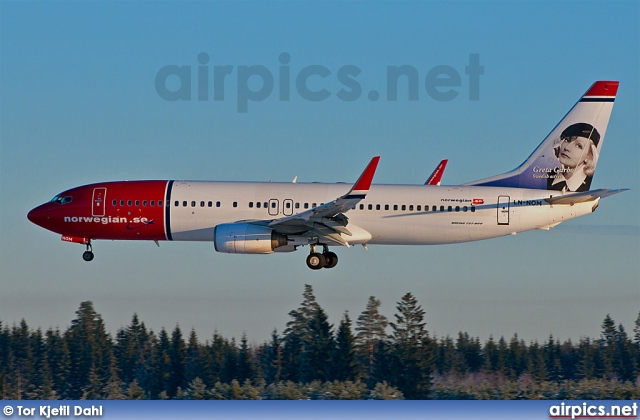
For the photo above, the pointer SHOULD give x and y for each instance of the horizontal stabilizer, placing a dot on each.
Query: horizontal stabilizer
(583, 197)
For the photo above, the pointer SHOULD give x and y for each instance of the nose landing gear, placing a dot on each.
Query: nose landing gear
(88, 254)
(316, 260)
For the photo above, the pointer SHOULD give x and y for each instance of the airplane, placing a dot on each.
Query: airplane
(551, 186)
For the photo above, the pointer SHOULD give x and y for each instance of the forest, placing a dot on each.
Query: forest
(369, 358)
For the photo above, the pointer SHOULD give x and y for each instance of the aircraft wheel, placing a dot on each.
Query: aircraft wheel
(331, 259)
(87, 256)
(315, 261)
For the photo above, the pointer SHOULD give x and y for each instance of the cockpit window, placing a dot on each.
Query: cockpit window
(62, 199)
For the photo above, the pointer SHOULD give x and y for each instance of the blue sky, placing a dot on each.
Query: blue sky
(79, 105)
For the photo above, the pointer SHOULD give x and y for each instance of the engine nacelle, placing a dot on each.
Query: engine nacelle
(246, 238)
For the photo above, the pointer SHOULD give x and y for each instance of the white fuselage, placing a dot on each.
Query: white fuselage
(390, 214)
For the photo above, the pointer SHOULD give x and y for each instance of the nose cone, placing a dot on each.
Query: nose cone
(39, 215)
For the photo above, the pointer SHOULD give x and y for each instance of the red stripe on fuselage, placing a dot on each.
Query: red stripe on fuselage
(128, 213)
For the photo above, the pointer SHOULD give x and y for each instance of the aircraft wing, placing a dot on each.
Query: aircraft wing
(583, 197)
(328, 220)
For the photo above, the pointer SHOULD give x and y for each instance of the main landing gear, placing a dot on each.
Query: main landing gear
(316, 260)
(88, 254)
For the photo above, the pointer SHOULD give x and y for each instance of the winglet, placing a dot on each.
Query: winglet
(362, 185)
(436, 176)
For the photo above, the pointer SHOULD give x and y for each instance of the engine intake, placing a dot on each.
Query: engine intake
(246, 238)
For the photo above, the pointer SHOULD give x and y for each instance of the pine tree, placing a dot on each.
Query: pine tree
(197, 390)
(177, 361)
(93, 389)
(21, 351)
(129, 348)
(163, 368)
(194, 367)
(42, 381)
(318, 348)
(230, 366)
(609, 346)
(90, 350)
(246, 370)
(271, 359)
(135, 391)
(371, 328)
(344, 359)
(216, 353)
(59, 360)
(297, 339)
(113, 388)
(411, 360)
(608, 330)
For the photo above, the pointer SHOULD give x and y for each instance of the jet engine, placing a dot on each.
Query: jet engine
(246, 238)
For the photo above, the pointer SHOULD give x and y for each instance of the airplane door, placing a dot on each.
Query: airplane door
(99, 202)
(503, 210)
(287, 207)
(274, 207)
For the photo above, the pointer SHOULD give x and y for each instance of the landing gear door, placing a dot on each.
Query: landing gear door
(503, 210)
(98, 202)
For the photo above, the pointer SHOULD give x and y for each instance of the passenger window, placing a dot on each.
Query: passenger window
(457, 208)
(114, 202)
(473, 209)
(449, 208)
(377, 206)
(465, 208)
(410, 207)
(288, 205)
(217, 204)
(202, 204)
(137, 203)
(258, 204)
(193, 204)
(250, 204)
(306, 205)
(129, 202)
(144, 203)
(419, 207)
(210, 204)
(361, 206)
(386, 207)
(370, 207)
(395, 207)
(122, 202)
(314, 204)
(297, 205)
(160, 203)
(404, 207)
(184, 204)
(153, 203)
(434, 208)
(235, 204)
(441, 208)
